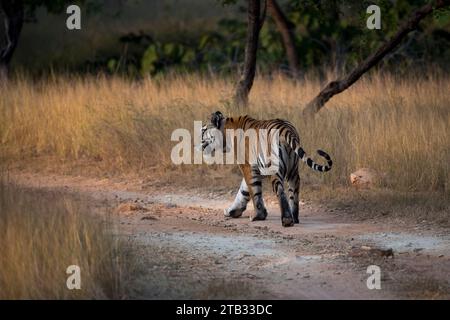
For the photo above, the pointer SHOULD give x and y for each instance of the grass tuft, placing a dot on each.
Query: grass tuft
(42, 234)
(400, 127)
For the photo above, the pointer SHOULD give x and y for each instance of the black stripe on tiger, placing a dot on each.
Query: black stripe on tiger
(288, 131)
(310, 162)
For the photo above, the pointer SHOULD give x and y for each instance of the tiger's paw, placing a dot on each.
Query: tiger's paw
(287, 222)
(233, 213)
(260, 215)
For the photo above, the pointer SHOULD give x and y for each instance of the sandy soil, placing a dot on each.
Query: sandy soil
(190, 251)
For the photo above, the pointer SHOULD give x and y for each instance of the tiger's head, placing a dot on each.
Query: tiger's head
(213, 134)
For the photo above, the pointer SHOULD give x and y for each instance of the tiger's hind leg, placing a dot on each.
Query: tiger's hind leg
(240, 202)
(294, 188)
(253, 179)
(287, 219)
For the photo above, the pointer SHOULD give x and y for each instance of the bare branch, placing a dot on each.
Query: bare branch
(338, 86)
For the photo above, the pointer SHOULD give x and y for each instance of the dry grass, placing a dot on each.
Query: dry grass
(397, 126)
(41, 235)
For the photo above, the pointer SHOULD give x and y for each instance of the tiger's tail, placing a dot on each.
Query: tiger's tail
(310, 162)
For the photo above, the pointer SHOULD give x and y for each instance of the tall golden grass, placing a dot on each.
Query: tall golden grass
(398, 126)
(42, 234)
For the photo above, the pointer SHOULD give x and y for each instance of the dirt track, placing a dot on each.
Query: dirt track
(191, 251)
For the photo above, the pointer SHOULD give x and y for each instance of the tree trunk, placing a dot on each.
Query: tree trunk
(13, 11)
(335, 43)
(286, 29)
(254, 23)
(338, 86)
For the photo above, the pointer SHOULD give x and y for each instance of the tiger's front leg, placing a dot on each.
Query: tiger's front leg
(253, 179)
(240, 202)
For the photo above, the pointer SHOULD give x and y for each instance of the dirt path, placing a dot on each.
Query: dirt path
(190, 251)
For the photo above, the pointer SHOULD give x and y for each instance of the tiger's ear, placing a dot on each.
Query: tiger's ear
(216, 119)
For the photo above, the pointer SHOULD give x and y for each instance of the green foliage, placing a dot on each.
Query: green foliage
(328, 35)
(149, 60)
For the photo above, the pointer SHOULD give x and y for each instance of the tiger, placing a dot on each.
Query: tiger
(289, 154)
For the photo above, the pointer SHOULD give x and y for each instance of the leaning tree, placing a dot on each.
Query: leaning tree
(254, 23)
(286, 29)
(338, 86)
